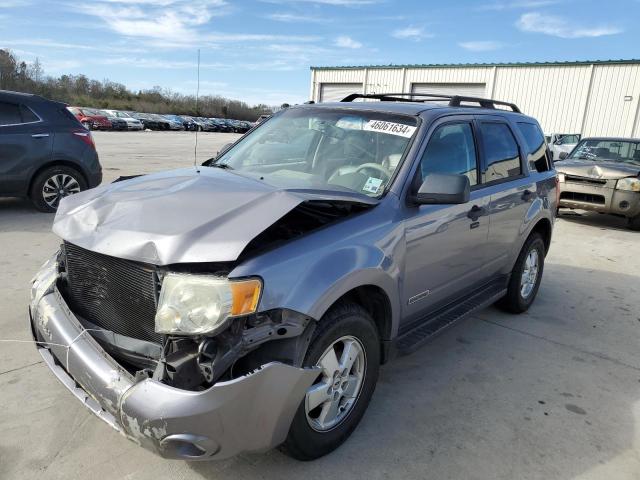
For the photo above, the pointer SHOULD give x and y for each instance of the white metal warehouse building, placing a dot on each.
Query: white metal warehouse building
(596, 98)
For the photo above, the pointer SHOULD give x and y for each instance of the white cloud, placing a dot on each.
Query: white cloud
(535, 22)
(158, 63)
(293, 18)
(182, 25)
(411, 33)
(518, 4)
(347, 42)
(160, 19)
(60, 66)
(47, 43)
(341, 3)
(14, 3)
(481, 45)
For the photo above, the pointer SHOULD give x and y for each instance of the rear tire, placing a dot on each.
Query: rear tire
(634, 223)
(47, 186)
(523, 287)
(314, 433)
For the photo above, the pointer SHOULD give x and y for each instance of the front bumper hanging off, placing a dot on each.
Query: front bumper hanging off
(247, 414)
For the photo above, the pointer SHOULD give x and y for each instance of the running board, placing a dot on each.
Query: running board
(436, 323)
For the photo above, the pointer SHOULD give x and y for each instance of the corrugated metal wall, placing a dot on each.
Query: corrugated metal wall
(556, 96)
(596, 99)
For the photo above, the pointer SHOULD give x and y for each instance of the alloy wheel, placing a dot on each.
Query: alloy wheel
(331, 398)
(529, 273)
(57, 187)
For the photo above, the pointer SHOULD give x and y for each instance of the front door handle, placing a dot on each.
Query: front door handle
(527, 195)
(476, 212)
(39, 135)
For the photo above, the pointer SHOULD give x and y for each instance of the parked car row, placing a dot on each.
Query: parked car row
(94, 119)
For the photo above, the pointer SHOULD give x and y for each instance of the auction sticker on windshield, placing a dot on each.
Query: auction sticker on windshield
(391, 128)
(372, 185)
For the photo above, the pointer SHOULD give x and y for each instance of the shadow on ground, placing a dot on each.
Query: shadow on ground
(593, 219)
(501, 396)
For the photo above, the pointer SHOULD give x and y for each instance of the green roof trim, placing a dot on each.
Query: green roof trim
(485, 65)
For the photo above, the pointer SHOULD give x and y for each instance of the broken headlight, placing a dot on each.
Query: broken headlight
(632, 184)
(202, 304)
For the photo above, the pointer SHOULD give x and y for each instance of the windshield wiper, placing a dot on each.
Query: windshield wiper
(224, 166)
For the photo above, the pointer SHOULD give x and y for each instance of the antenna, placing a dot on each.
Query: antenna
(195, 150)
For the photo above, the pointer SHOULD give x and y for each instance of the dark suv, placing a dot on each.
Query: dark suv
(249, 303)
(45, 153)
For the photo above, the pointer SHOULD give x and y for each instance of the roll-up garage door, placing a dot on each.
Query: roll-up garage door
(465, 89)
(334, 92)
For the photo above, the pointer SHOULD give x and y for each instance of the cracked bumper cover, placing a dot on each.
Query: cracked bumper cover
(248, 414)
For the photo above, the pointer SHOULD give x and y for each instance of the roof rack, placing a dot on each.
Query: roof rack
(454, 100)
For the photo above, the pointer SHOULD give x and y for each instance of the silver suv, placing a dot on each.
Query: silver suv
(250, 302)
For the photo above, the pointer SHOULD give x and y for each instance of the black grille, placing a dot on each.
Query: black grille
(112, 293)
(582, 197)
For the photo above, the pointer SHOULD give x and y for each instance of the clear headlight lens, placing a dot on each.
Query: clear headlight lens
(632, 184)
(561, 177)
(199, 304)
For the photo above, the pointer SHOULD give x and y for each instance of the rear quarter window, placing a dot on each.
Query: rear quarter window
(27, 115)
(536, 147)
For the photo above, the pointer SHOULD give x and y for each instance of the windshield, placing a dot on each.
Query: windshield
(607, 151)
(122, 115)
(324, 149)
(90, 111)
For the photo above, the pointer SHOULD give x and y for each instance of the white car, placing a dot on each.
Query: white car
(561, 142)
(132, 123)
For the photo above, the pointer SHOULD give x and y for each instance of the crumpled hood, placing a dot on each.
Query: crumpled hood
(597, 169)
(179, 216)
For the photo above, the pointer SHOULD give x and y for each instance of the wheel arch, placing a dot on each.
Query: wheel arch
(544, 228)
(375, 300)
(55, 163)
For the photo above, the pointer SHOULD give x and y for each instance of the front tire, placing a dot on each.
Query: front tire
(53, 184)
(634, 223)
(525, 276)
(346, 346)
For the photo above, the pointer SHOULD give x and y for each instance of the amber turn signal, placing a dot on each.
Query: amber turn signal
(245, 294)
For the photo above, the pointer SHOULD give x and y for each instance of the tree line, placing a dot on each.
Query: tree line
(17, 75)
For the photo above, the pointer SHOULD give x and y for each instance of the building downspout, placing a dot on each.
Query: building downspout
(404, 88)
(366, 81)
(494, 72)
(588, 100)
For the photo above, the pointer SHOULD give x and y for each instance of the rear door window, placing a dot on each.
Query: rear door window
(500, 152)
(10, 114)
(536, 146)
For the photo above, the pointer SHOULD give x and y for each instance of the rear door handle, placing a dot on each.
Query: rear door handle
(39, 135)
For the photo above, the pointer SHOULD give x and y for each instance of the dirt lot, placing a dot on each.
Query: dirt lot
(552, 394)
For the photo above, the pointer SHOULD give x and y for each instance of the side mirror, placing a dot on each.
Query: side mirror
(563, 155)
(226, 147)
(438, 188)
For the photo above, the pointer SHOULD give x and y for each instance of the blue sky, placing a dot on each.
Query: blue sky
(261, 50)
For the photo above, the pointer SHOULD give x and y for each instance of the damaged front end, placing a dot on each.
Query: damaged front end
(197, 396)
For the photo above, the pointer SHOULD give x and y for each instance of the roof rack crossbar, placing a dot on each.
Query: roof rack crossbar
(454, 100)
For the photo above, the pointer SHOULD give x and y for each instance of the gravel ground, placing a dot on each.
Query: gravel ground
(551, 394)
